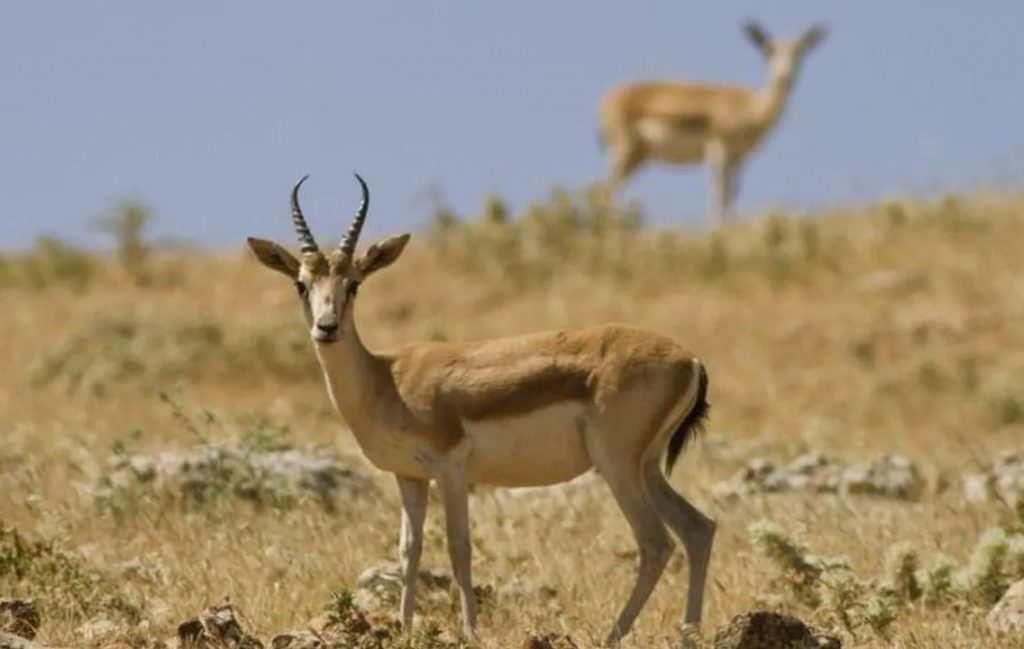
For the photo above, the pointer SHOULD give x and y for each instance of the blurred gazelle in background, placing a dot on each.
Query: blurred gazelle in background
(695, 123)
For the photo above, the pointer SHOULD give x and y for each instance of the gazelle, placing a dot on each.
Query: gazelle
(692, 123)
(521, 411)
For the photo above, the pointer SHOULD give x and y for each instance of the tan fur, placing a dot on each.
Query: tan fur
(695, 123)
(519, 411)
(431, 387)
(737, 115)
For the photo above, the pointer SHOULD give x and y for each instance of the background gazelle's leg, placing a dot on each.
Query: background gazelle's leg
(731, 189)
(716, 158)
(410, 545)
(627, 156)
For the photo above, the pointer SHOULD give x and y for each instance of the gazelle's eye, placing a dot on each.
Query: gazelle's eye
(301, 289)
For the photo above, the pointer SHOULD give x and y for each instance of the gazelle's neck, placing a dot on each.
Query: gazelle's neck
(359, 382)
(771, 98)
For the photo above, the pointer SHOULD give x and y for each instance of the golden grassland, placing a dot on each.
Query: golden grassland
(890, 328)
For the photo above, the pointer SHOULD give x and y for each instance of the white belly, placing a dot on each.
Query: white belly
(540, 448)
(664, 141)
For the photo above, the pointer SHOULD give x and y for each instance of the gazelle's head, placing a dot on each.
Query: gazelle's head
(784, 54)
(327, 282)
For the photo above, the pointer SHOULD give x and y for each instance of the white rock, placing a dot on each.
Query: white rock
(1008, 613)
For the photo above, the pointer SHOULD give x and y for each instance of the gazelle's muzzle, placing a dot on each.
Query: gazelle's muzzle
(326, 322)
(325, 331)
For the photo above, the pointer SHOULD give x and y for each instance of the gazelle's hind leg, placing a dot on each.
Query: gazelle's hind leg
(652, 539)
(654, 545)
(693, 528)
(627, 155)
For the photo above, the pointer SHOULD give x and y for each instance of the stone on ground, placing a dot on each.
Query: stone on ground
(548, 641)
(1008, 613)
(768, 630)
(20, 617)
(216, 628)
(889, 476)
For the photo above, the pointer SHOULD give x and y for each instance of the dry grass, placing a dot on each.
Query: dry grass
(890, 329)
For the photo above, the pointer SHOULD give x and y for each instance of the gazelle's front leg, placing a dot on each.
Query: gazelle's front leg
(732, 186)
(717, 161)
(455, 494)
(410, 544)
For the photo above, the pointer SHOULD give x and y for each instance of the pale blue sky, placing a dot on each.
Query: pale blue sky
(208, 111)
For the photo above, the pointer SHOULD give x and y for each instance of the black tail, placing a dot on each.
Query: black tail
(693, 423)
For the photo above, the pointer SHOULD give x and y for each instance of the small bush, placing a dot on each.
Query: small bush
(938, 581)
(109, 352)
(877, 614)
(830, 586)
(127, 225)
(42, 570)
(802, 571)
(984, 580)
(51, 263)
(901, 573)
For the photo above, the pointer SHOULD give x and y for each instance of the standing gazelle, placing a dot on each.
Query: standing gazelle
(692, 123)
(521, 411)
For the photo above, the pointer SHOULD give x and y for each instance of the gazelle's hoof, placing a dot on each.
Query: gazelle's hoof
(690, 636)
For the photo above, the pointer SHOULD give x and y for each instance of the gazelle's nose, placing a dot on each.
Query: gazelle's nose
(327, 327)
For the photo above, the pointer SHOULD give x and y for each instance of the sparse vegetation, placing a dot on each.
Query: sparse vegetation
(861, 333)
(110, 352)
(248, 460)
(72, 591)
(829, 587)
(50, 263)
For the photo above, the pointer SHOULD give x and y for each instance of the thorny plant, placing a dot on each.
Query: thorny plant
(829, 586)
(348, 626)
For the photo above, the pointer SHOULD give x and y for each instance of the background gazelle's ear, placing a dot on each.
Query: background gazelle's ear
(758, 36)
(381, 254)
(812, 36)
(275, 257)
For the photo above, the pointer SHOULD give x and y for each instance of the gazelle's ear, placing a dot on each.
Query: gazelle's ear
(812, 36)
(381, 254)
(275, 257)
(758, 36)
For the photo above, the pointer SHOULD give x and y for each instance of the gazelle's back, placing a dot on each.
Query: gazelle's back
(550, 366)
(528, 401)
(524, 405)
(669, 101)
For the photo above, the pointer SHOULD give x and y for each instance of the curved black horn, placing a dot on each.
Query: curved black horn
(306, 241)
(348, 242)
